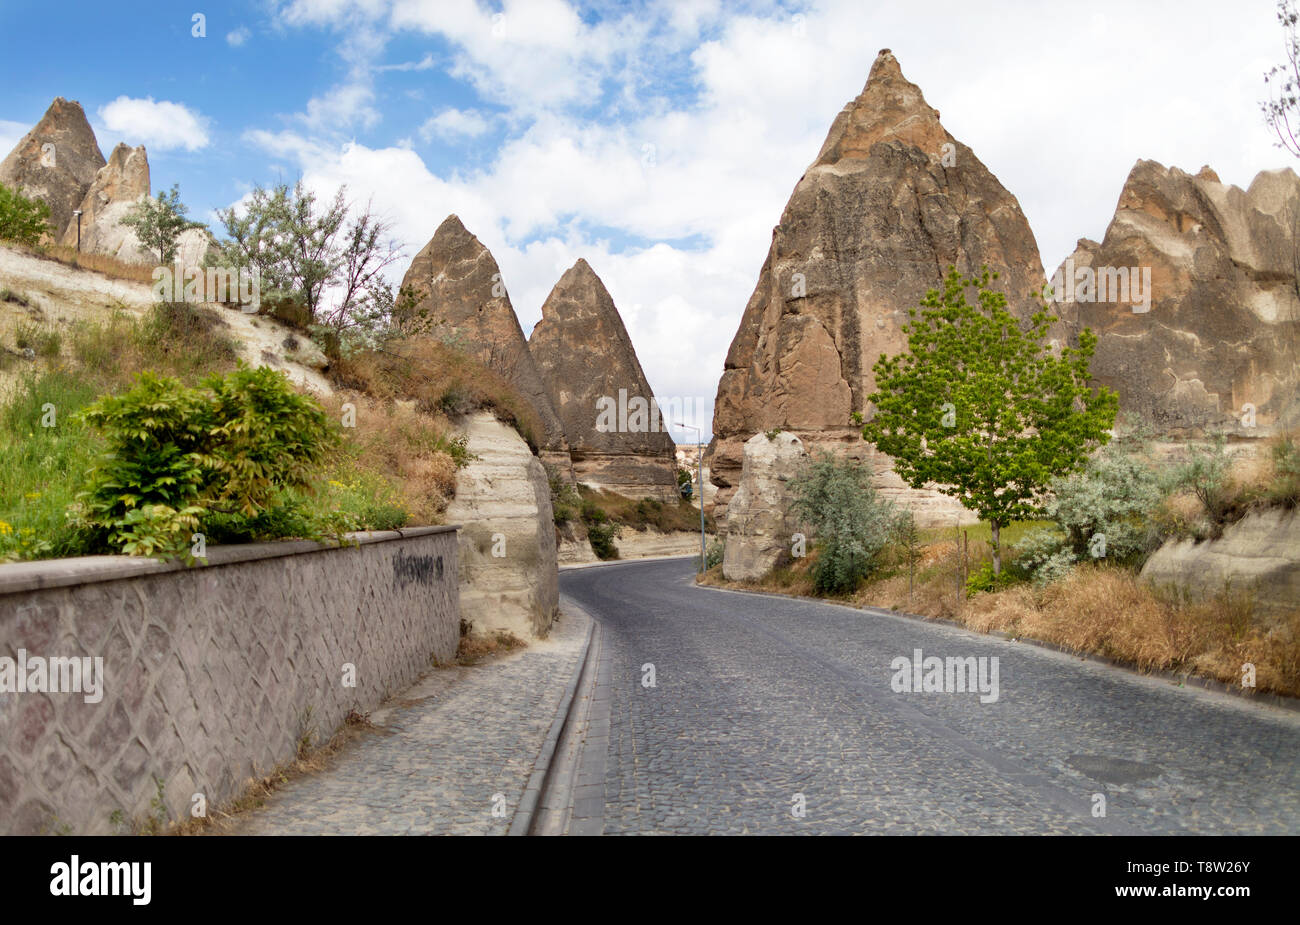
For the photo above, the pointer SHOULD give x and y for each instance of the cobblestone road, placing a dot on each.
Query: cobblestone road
(762, 704)
(454, 747)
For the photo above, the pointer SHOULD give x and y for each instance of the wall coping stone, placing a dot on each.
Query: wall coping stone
(16, 577)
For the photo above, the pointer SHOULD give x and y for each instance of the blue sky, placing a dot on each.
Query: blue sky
(658, 140)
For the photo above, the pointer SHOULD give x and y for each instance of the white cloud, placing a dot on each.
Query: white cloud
(453, 124)
(10, 134)
(237, 37)
(159, 125)
(342, 107)
(1057, 107)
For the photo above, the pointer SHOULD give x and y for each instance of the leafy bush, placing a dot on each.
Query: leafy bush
(839, 504)
(176, 455)
(985, 579)
(1285, 486)
(22, 220)
(565, 500)
(713, 555)
(600, 531)
(1103, 512)
(1206, 473)
(1043, 555)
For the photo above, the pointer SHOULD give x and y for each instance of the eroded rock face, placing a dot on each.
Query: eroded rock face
(760, 525)
(1213, 341)
(1259, 556)
(459, 288)
(56, 162)
(890, 202)
(592, 374)
(118, 186)
(508, 571)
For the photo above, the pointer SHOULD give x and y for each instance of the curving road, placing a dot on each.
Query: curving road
(778, 716)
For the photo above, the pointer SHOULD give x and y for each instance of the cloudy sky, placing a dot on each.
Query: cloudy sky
(658, 140)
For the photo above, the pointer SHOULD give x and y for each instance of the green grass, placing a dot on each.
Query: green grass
(40, 466)
(46, 450)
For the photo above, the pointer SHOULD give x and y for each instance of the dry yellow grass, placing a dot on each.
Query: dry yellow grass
(1097, 609)
(405, 445)
(438, 379)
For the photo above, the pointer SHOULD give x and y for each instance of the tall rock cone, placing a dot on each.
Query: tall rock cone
(56, 162)
(891, 201)
(117, 187)
(459, 291)
(616, 437)
(1193, 295)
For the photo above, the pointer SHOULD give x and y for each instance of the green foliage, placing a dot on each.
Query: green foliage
(980, 405)
(601, 531)
(1285, 487)
(985, 579)
(1044, 555)
(302, 248)
(36, 463)
(837, 501)
(1206, 473)
(713, 555)
(565, 500)
(175, 456)
(158, 223)
(773, 433)
(43, 341)
(1104, 512)
(22, 220)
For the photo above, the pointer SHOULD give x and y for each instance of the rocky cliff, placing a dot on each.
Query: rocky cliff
(117, 187)
(597, 387)
(56, 161)
(508, 570)
(461, 297)
(889, 203)
(1193, 295)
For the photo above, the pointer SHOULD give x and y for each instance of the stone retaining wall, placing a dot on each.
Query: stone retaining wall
(211, 674)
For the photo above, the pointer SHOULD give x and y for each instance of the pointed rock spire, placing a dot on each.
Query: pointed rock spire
(117, 187)
(459, 290)
(1192, 296)
(891, 201)
(56, 161)
(616, 435)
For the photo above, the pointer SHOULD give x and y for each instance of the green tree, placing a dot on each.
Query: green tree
(837, 501)
(981, 405)
(159, 221)
(323, 254)
(22, 220)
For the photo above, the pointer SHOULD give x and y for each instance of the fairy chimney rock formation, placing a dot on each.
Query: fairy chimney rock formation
(56, 162)
(891, 201)
(118, 186)
(1193, 295)
(460, 294)
(617, 439)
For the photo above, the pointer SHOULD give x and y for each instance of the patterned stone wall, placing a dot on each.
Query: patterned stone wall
(211, 674)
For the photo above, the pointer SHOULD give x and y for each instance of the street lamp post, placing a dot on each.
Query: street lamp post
(699, 468)
(77, 212)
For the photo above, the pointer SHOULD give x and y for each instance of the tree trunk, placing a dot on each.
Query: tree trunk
(997, 548)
